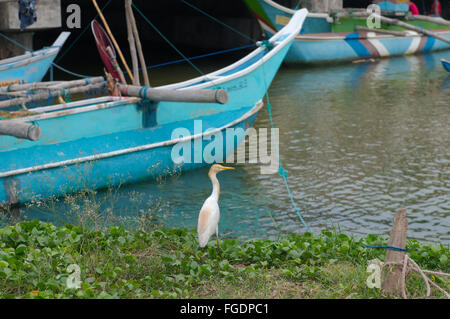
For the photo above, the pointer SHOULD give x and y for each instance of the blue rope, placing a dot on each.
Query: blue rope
(198, 57)
(283, 172)
(15, 42)
(53, 63)
(165, 39)
(386, 247)
(70, 72)
(218, 21)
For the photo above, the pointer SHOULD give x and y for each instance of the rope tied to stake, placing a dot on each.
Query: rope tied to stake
(406, 269)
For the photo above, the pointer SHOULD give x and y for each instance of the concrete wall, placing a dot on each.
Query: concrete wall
(48, 15)
(322, 5)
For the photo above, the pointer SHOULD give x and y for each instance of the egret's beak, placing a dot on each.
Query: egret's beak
(225, 167)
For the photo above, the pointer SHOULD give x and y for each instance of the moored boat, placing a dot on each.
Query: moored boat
(446, 64)
(31, 66)
(326, 39)
(108, 141)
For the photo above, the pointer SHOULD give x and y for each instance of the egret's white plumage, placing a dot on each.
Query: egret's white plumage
(208, 219)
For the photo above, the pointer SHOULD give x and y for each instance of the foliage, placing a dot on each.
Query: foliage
(168, 263)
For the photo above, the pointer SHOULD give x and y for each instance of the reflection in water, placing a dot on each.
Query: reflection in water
(359, 142)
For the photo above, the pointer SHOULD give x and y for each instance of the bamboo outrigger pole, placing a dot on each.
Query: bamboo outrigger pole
(411, 27)
(382, 31)
(130, 14)
(429, 19)
(132, 44)
(113, 39)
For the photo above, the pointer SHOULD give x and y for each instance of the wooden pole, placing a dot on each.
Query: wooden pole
(429, 19)
(138, 42)
(393, 264)
(412, 27)
(115, 64)
(132, 43)
(53, 85)
(113, 39)
(20, 130)
(188, 95)
(50, 93)
(381, 31)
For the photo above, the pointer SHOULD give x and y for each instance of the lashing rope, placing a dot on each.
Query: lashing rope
(166, 39)
(197, 57)
(218, 21)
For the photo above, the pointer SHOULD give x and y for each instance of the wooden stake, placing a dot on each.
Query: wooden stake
(138, 42)
(113, 39)
(393, 264)
(132, 43)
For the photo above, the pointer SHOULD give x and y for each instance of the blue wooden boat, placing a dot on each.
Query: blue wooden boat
(31, 66)
(446, 64)
(323, 41)
(108, 141)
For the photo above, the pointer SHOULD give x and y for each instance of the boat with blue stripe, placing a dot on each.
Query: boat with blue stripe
(31, 66)
(446, 64)
(323, 39)
(111, 140)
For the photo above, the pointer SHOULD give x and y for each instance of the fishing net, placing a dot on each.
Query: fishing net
(102, 41)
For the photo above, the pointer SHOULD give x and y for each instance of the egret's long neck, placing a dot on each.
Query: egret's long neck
(216, 186)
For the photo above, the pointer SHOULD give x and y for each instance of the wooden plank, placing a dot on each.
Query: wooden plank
(392, 270)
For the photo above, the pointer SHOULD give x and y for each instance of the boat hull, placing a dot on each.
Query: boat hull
(446, 65)
(110, 141)
(355, 46)
(140, 155)
(32, 66)
(321, 41)
(32, 72)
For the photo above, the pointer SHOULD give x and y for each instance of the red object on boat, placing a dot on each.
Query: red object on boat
(102, 41)
(413, 9)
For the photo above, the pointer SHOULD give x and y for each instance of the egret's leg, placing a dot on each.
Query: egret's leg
(217, 238)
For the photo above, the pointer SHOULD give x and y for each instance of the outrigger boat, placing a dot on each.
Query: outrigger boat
(107, 141)
(31, 66)
(326, 39)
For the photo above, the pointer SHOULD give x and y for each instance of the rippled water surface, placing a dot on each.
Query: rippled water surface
(359, 141)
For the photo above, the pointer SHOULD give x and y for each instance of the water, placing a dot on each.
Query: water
(359, 142)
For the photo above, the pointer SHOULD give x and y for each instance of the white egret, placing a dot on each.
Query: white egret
(208, 219)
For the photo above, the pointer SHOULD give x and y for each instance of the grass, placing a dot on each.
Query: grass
(167, 263)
